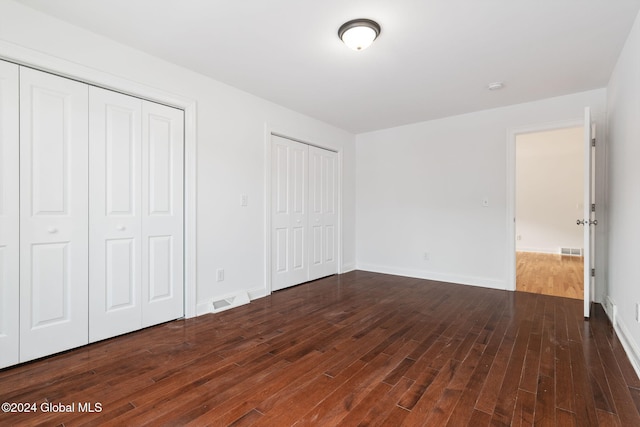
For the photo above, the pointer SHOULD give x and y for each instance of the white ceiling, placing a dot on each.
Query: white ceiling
(434, 58)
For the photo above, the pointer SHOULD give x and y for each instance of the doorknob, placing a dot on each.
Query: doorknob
(121, 228)
(581, 222)
(594, 222)
(52, 230)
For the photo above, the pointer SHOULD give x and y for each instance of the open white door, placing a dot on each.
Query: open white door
(588, 221)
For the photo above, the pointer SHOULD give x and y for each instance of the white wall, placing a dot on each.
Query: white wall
(549, 190)
(623, 124)
(230, 146)
(420, 189)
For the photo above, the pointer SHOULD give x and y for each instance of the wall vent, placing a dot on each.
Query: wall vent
(571, 251)
(233, 301)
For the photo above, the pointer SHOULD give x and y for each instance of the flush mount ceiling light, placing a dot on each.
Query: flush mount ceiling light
(358, 34)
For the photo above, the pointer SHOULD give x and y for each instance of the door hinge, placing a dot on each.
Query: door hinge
(593, 207)
(593, 142)
(593, 272)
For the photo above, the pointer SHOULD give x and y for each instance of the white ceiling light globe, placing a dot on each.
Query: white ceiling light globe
(358, 38)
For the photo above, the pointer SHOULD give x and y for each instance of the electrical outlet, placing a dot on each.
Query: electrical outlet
(220, 274)
(519, 237)
(425, 256)
(485, 202)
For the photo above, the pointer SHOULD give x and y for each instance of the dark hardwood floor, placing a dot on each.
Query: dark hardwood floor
(357, 349)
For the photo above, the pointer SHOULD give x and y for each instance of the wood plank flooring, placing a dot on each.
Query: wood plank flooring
(356, 349)
(550, 274)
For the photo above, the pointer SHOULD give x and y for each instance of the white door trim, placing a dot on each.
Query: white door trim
(44, 62)
(9, 215)
(271, 129)
(511, 187)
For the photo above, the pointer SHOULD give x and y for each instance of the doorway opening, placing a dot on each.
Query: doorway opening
(549, 197)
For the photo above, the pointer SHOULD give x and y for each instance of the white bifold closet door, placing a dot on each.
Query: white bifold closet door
(289, 218)
(304, 213)
(115, 233)
(9, 215)
(136, 214)
(162, 213)
(323, 214)
(53, 214)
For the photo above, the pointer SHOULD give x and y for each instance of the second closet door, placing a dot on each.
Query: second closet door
(162, 213)
(115, 265)
(304, 212)
(136, 214)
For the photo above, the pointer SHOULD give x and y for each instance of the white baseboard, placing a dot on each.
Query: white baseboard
(346, 268)
(610, 309)
(539, 250)
(203, 308)
(257, 293)
(629, 345)
(429, 275)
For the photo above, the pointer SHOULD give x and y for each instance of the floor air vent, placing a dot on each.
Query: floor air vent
(571, 251)
(230, 302)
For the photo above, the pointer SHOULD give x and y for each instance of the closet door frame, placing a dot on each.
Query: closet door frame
(272, 130)
(9, 215)
(44, 62)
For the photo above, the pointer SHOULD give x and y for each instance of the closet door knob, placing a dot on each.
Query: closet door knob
(121, 228)
(52, 230)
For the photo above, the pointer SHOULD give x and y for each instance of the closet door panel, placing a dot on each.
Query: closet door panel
(9, 215)
(289, 193)
(162, 213)
(53, 214)
(161, 261)
(115, 214)
(322, 212)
